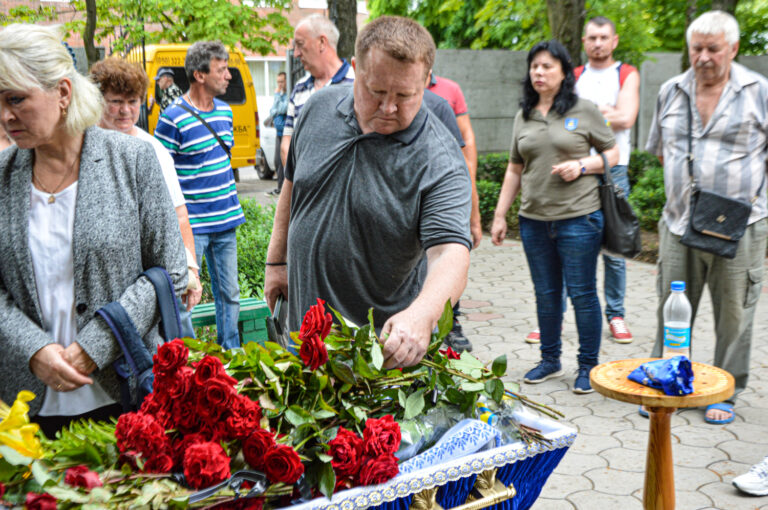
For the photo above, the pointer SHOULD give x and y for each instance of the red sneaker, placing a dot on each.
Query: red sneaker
(620, 331)
(534, 336)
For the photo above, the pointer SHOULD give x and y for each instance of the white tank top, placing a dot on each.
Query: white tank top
(601, 86)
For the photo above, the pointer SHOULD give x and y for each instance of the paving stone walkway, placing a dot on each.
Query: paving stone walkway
(604, 468)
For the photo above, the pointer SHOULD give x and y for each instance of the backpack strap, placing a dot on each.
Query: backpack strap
(624, 70)
(577, 72)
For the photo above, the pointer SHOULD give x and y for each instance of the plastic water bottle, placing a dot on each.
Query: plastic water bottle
(677, 323)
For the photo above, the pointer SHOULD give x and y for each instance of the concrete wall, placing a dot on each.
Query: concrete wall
(491, 80)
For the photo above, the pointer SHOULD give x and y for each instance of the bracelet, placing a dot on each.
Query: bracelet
(275, 263)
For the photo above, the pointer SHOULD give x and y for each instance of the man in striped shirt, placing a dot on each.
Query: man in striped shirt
(197, 131)
(729, 106)
(314, 43)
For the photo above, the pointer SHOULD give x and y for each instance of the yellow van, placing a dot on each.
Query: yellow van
(240, 95)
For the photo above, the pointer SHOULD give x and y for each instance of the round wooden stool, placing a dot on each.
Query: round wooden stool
(710, 385)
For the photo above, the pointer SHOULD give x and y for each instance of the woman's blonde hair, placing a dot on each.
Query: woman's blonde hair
(33, 56)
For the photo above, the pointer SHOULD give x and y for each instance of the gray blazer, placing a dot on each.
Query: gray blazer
(124, 223)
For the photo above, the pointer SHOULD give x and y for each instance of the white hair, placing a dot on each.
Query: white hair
(33, 56)
(714, 23)
(320, 25)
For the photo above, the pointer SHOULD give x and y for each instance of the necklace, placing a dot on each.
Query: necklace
(51, 194)
(189, 100)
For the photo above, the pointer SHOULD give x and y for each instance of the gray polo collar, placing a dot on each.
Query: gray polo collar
(407, 136)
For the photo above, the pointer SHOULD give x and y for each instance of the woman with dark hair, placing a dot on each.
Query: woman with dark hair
(561, 223)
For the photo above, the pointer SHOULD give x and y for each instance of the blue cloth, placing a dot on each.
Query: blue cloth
(615, 267)
(220, 250)
(565, 248)
(673, 376)
(278, 111)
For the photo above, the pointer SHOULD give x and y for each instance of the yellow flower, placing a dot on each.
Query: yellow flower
(16, 430)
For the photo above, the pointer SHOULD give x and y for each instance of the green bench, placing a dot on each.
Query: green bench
(251, 322)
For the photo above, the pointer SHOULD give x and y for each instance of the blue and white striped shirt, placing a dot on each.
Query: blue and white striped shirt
(203, 167)
(305, 87)
(729, 153)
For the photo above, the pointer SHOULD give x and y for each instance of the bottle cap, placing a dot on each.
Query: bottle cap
(678, 286)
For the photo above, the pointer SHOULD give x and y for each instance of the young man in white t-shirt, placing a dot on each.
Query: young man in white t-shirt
(615, 88)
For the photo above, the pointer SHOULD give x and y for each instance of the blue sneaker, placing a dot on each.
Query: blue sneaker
(546, 369)
(582, 384)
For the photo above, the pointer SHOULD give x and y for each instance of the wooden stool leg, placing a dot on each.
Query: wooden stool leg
(659, 492)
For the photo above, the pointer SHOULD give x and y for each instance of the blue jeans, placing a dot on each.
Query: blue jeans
(220, 251)
(615, 267)
(565, 248)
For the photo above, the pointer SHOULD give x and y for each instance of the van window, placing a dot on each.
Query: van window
(235, 93)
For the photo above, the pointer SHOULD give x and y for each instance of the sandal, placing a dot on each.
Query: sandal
(722, 406)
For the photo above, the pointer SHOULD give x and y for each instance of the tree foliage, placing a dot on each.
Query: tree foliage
(643, 25)
(126, 23)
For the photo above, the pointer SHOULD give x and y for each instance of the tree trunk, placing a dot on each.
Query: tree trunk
(728, 6)
(91, 53)
(344, 14)
(566, 21)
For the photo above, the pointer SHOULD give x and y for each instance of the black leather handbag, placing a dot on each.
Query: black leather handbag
(621, 231)
(716, 222)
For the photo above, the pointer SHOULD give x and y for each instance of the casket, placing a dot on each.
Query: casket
(509, 477)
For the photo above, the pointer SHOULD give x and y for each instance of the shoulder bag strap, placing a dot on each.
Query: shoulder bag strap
(213, 132)
(136, 353)
(690, 140)
(170, 322)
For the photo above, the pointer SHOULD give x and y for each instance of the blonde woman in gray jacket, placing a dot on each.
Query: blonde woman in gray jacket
(85, 211)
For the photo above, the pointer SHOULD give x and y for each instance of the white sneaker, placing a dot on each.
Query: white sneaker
(756, 481)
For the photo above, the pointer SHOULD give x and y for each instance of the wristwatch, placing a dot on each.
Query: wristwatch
(583, 168)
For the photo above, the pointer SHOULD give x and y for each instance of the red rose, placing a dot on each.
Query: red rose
(256, 446)
(313, 352)
(316, 322)
(381, 436)
(205, 464)
(282, 464)
(169, 358)
(81, 476)
(214, 397)
(242, 504)
(450, 353)
(2, 490)
(180, 383)
(160, 463)
(181, 445)
(159, 407)
(243, 418)
(343, 484)
(142, 433)
(210, 367)
(346, 450)
(376, 470)
(185, 415)
(36, 501)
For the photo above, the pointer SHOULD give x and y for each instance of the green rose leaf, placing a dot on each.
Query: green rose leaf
(343, 372)
(359, 414)
(495, 388)
(499, 367)
(362, 336)
(455, 396)
(414, 405)
(40, 473)
(324, 457)
(298, 416)
(13, 457)
(376, 355)
(322, 414)
(342, 323)
(327, 479)
(401, 398)
(445, 324)
(362, 368)
(472, 386)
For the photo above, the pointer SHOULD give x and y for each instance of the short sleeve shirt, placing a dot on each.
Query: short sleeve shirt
(541, 142)
(366, 207)
(451, 92)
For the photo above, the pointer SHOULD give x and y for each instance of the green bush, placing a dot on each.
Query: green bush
(648, 197)
(488, 196)
(491, 167)
(252, 241)
(639, 162)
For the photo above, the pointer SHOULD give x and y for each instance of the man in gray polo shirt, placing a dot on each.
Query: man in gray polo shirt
(373, 183)
(729, 105)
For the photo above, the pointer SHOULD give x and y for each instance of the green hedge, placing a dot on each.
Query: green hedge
(647, 196)
(639, 162)
(488, 196)
(252, 242)
(491, 166)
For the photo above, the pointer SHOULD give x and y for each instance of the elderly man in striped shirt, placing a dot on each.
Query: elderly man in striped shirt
(729, 106)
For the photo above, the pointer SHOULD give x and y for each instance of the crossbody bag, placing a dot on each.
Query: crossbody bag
(716, 222)
(213, 132)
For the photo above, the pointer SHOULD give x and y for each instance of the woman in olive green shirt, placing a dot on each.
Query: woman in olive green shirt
(561, 223)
